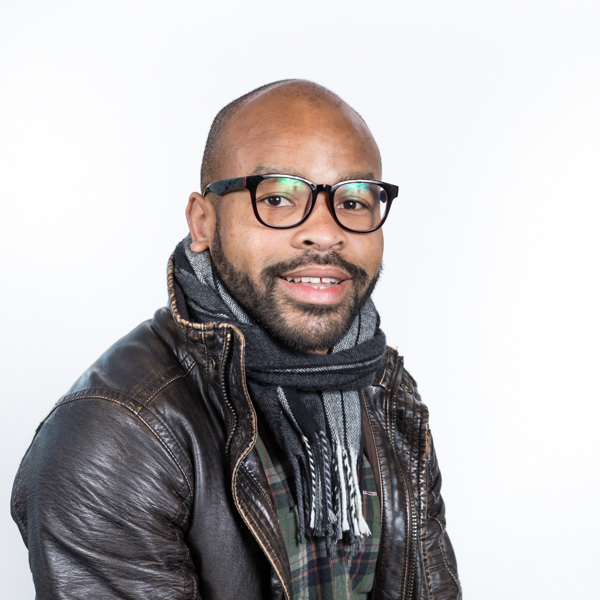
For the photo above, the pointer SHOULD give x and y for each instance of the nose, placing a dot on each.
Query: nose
(320, 231)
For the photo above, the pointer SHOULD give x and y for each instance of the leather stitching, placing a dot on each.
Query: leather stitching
(249, 516)
(169, 381)
(424, 539)
(258, 486)
(445, 559)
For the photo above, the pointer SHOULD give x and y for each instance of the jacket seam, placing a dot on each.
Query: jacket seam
(169, 381)
(186, 579)
(255, 482)
(249, 514)
(424, 537)
(444, 557)
(252, 517)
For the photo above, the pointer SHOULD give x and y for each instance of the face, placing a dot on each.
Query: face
(304, 285)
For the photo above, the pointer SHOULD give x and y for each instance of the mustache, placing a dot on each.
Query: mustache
(330, 259)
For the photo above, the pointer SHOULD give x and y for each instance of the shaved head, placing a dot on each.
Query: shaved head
(218, 144)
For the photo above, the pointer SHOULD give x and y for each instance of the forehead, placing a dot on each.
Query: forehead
(318, 139)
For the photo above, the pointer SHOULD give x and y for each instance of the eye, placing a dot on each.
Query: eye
(275, 201)
(356, 197)
(351, 205)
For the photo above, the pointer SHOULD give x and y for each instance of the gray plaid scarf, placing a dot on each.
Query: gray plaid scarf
(310, 402)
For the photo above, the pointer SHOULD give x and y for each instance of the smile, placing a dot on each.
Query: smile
(317, 283)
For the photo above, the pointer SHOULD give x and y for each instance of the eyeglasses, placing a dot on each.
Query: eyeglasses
(285, 201)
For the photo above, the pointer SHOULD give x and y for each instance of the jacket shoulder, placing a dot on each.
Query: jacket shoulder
(126, 400)
(138, 365)
(101, 491)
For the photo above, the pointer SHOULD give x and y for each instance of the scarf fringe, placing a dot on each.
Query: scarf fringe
(333, 506)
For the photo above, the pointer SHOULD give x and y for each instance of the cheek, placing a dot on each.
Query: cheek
(372, 252)
(246, 245)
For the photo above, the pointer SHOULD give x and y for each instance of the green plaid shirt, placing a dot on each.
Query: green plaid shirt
(315, 574)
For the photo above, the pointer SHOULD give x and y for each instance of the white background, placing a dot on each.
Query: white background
(488, 117)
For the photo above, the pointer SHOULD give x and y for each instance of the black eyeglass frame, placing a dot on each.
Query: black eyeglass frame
(250, 183)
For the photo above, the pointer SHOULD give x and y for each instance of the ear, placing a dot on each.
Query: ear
(201, 218)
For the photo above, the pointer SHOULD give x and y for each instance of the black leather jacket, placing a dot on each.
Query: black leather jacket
(143, 482)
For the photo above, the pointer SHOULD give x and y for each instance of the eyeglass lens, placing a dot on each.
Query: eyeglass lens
(284, 201)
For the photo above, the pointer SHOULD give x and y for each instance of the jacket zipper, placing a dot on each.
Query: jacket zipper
(409, 574)
(226, 349)
(222, 376)
(376, 453)
(412, 548)
(411, 513)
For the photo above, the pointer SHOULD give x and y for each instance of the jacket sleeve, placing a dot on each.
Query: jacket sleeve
(439, 559)
(102, 506)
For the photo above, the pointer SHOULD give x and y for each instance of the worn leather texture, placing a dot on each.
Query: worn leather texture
(143, 481)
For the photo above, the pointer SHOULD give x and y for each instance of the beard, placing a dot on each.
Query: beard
(302, 326)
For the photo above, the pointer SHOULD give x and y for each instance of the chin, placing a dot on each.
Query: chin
(315, 328)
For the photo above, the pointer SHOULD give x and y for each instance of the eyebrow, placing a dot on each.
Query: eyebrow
(264, 169)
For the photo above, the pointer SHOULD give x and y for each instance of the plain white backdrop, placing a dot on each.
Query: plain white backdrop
(487, 115)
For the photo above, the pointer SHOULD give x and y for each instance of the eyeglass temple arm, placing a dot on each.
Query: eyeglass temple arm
(223, 186)
(393, 192)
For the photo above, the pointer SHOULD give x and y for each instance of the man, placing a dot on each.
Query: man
(257, 439)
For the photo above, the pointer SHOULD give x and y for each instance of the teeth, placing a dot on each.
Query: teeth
(319, 282)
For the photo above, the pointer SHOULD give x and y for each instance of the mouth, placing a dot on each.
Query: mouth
(317, 283)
